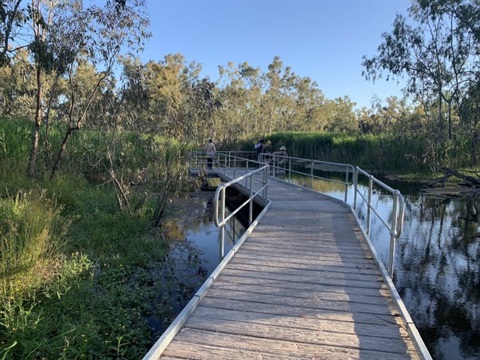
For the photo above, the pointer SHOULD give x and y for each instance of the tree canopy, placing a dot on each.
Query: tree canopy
(63, 63)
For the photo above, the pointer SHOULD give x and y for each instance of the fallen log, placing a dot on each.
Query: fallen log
(470, 181)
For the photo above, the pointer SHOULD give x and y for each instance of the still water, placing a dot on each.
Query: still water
(437, 264)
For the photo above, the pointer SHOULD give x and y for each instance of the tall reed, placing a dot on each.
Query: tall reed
(32, 234)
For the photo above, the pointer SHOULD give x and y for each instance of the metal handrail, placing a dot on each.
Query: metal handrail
(225, 161)
(398, 212)
(220, 196)
(285, 163)
(285, 166)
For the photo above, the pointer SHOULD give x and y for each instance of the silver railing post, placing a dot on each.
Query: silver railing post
(346, 182)
(265, 181)
(355, 188)
(250, 208)
(289, 170)
(311, 176)
(369, 204)
(393, 236)
(222, 229)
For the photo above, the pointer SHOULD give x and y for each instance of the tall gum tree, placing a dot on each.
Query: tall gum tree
(436, 49)
(60, 35)
(97, 35)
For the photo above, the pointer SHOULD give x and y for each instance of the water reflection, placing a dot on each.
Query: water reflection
(438, 274)
(195, 253)
(437, 268)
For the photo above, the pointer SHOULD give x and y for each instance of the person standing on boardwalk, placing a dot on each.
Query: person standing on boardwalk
(210, 151)
(260, 149)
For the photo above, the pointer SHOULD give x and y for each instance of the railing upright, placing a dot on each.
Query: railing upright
(250, 206)
(369, 204)
(222, 229)
(394, 225)
(346, 185)
(355, 188)
(397, 218)
(311, 175)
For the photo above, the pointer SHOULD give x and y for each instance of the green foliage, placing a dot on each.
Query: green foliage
(14, 137)
(91, 303)
(32, 231)
(14, 150)
(79, 275)
(375, 153)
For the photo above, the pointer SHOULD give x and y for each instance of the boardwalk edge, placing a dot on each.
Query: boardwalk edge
(161, 344)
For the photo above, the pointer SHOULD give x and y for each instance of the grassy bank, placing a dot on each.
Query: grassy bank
(79, 256)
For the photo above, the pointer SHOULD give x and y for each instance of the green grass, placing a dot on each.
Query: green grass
(79, 275)
(87, 288)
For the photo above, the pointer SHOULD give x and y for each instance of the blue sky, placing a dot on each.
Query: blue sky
(322, 39)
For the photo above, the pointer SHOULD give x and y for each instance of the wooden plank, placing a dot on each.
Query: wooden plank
(301, 312)
(306, 280)
(292, 253)
(366, 267)
(209, 352)
(303, 285)
(328, 325)
(299, 287)
(255, 288)
(313, 303)
(294, 238)
(299, 350)
(316, 269)
(292, 334)
(316, 244)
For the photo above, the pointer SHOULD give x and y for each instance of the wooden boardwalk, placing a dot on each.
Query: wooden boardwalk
(304, 285)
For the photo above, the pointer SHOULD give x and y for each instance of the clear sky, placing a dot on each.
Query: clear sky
(320, 39)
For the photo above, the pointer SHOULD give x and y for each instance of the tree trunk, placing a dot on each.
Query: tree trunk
(63, 147)
(474, 141)
(36, 130)
(450, 120)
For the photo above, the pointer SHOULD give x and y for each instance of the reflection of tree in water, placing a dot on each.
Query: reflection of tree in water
(184, 272)
(438, 271)
(186, 267)
(181, 274)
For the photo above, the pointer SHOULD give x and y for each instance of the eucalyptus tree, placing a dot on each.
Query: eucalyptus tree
(96, 35)
(164, 88)
(470, 115)
(59, 36)
(240, 93)
(310, 105)
(201, 104)
(277, 100)
(341, 116)
(173, 91)
(13, 18)
(436, 49)
(132, 95)
(17, 86)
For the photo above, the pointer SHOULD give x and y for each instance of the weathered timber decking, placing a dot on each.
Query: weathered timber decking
(303, 285)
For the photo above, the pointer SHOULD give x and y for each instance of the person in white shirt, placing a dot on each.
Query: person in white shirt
(210, 151)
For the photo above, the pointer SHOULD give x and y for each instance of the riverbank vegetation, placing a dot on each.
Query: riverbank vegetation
(80, 254)
(93, 144)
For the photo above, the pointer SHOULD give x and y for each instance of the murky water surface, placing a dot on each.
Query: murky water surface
(437, 268)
